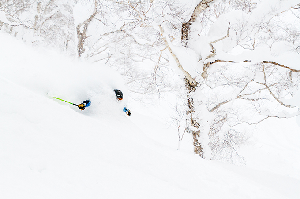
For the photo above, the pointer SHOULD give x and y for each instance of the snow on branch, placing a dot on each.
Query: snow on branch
(265, 62)
(191, 80)
(82, 29)
(186, 26)
(267, 87)
(281, 65)
(213, 49)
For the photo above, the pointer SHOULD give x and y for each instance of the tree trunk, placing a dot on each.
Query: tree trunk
(185, 29)
(82, 29)
(193, 125)
(191, 85)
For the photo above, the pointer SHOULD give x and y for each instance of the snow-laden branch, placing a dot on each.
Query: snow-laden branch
(264, 84)
(273, 95)
(186, 26)
(265, 62)
(82, 29)
(191, 80)
(213, 49)
(281, 65)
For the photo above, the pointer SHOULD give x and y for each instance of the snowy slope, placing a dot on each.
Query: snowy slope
(51, 150)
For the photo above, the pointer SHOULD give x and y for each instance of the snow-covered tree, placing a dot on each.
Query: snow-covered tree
(248, 51)
(40, 22)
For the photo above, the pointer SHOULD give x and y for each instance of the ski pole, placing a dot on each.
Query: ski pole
(81, 106)
(65, 101)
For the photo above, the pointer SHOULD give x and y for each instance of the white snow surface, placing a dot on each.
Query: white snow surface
(3, 17)
(82, 11)
(49, 149)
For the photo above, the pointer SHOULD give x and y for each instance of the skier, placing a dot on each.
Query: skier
(119, 96)
(84, 104)
(87, 103)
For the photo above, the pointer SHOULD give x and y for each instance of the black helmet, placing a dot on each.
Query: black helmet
(119, 94)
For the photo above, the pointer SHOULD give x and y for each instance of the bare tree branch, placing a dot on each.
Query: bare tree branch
(264, 84)
(276, 98)
(213, 50)
(220, 104)
(281, 65)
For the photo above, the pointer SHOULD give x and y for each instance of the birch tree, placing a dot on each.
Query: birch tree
(40, 22)
(238, 91)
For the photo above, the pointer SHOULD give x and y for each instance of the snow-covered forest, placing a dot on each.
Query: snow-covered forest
(212, 85)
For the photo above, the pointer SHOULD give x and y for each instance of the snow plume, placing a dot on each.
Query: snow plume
(53, 75)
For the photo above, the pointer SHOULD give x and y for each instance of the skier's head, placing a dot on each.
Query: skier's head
(119, 94)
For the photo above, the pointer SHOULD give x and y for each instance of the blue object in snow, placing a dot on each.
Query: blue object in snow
(87, 103)
(127, 111)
